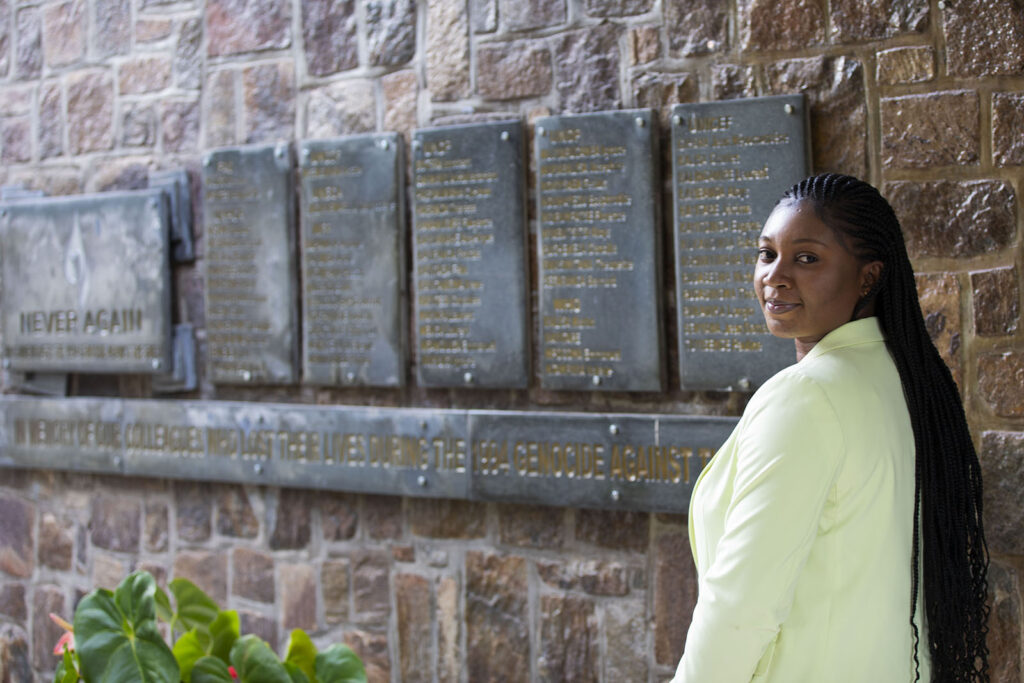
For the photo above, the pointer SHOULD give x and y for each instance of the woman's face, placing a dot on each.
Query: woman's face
(806, 280)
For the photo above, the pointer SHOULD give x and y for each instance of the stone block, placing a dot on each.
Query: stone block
(532, 526)
(208, 570)
(298, 597)
(616, 529)
(269, 92)
(484, 15)
(12, 602)
(237, 26)
(939, 294)
(390, 31)
(371, 570)
(439, 518)
(188, 56)
(936, 129)
(259, 625)
(675, 596)
(17, 100)
(996, 301)
(115, 523)
(158, 571)
(1008, 129)
(339, 516)
(153, 29)
(696, 27)
(1001, 382)
(64, 26)
(447, 51)
(220, 113)
(290, 526)
(509, 71)
(497, 616)
(900, 65)
(194, 511)
(616, 8)
(524, 15)
(1002, 471)
(604, 578)
(113, 27)
(143, 74)
(45, 633)
(569, 639)
(400, 91)
(119, 174)
(107, 571)
(660, 91)
(179, 125)
(382, 517)
(16, 140)
(342, 108)
(138, 125)
(403, 553)
(858, 20)
(90, 111)
(334, 583)
(449, 626)
(954, 219)
(5, 38)
(56, 542)
(625, 632)
(28, 46)
(732, 81)
(983, 38)
(587, 69)
(252, 575)
(413, 606)
(51, 121)
(761, 22)
(329, 36)
(643, 44)
(15, 663)
(372, 648)
(235, 516)
(1004, 635)
(156, 528)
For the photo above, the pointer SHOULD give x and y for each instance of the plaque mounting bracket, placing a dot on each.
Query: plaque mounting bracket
(175, 183)
(182, 377)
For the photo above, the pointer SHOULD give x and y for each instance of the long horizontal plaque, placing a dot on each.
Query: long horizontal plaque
(624, 461)
(86, 283)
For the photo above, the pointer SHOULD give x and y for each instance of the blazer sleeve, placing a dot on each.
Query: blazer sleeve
(787, 462)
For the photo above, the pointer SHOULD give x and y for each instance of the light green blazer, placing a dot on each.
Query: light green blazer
(801, 528)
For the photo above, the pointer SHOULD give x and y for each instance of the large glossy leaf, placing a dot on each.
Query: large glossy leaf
(66, 671)
(211, 670)
(339, 664)
(190, 648)
(255, 662)
(193, 607)
(163, 606)
(295, 673)
(302, 653)
(224, 631)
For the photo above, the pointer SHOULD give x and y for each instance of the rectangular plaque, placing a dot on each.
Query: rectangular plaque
(731, 161)
(251, 311)
(599, 252)
(86, 283)
(353, 261)
(470, 244)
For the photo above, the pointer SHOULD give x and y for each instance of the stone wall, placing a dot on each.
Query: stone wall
(923, 97)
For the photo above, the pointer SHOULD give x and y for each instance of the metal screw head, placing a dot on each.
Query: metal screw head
(279, 152)
(118, 461)
(384, 144)
(677, 120)
(788, 108)
(942, 5)
(595, 380)
(416, 144)
(541, 131)
(350, 376)
(613, 429)
(305, 154)
(744, 383)
(504, 135)
(246, 375)
(208, 160)
(421, 481)
(468, 378)
(616, 495)
(257, 468)
(423, 425)
(640, 123)
(712, 44)
(156, 364)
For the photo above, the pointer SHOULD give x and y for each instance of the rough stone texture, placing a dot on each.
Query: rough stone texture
(56, 542)
(15, 664)
(64, 27)
(372, 648)
(1002, 471)
(221, 113)
(90, 111)
(448, 630)
(179, 125)
(334, 584)
(156, 527)
(905, 65)
(329, 36)
(954, 219)
(269, 102)
(1001, 382)
(643, 44)
(253, 575)
(613, 529)
(675, 595)
(626, 633)
(508, 71)
(17, 140)
(290, 528)
(370, 593)
(497, 616)
(107, 571)
(119, 174)
(113, 28)
(342, 108)
(484, 15)
(195, 511)
(338, 516)
(45, 633)
(390, 31)
(143, 74)
(1004, 636)
(298, 597)
(16, 522)
(761, 23)
(835, 92)
(208, 570)
(159, 572)
(236, 26)
(1008, 129)
(587, 69)
(28, 50)
(234, 513)
(447, 51)
(732, 81)
(382, 516)
(616, 8)
(696, 27)
(984, 38)
(413, 611)
(403, 553)
(937, 129)
(996, 301)
(115, 523)
(939, 294)
(855, 20)
(603, 578)
(442, 518)
(151, 30)
(661, 90)
(523, 15)
(5, 38)
(399, 91)
(259, 625)
(568, 639)
(12, 601)
(51, 122)
(188, 56)
(17, 100)
(532, 526)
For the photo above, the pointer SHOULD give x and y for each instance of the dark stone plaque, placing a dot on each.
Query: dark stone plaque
(470, 243)
(353, 261)
(599, 252)
(730, 163)
(251, 311)
(86, 283)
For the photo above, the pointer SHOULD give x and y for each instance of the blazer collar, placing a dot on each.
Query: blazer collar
(863, 331)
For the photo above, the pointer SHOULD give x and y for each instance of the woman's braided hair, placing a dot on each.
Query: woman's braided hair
(947, 491)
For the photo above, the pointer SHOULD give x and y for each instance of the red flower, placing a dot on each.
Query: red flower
(231, 670)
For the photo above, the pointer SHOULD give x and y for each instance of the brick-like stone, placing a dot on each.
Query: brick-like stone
(334, 583)
(56, 542)
(90, 111)
(856, 20)
(64, 27)
(616, 8)
(15, 663)
(1001, 382)
(1008, 128)
(936, 129)
(179, 128)
(614, 529)
(290, 526)
(158, 571)
(157, 537)
(259, 625)
(153, 29)
(954, 219)
(371, 570)
(403, 553)
(939, 294)
(115, 523)
(532, 526)
(568, 639)
(138, 125)
(12, 602)
(220, 113)
(643, 44)
(524, 15)
(732, 81)
(484, 15)
(996, 301)
(561, 575)
(119, 174)
(412, 601)
(269, 92)
(235, 516)
(16, 139)
(984, 38)
(237, 26)
(1002, 470)
(113, 27)
(5, 38)
(298, 597)
(661, 90)
(761, 22)
(28, 48)
(497, 616)
(342, 108)
(449, 626)
(194, 511)
(188, 55)
(372, 648)
(382, 517)
(604, 578)
(447, 51)
(625, 630)
(905, 65)
(587, 69)
(675, 596)
(208, 570)
(400, 91)
(696, 27)
(252, 575)
(509, 71)
(45, 633)
(329, 36)
(17, 100)
(390, 31)
(107, 571)
(143, 75)
(51, 122)
(1004, 635)
(442, 518)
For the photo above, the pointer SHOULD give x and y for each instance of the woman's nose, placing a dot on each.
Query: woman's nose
(775, 274)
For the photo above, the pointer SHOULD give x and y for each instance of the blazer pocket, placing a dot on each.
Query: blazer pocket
(765, 663)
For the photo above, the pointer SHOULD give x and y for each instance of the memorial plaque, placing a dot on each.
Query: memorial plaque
(251, 311)
(599, 252)
(731, 161)
(353, 261)
(86, 283)
(470, 243)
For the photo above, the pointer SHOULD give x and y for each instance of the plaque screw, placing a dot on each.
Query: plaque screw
(384, 144)
(246, 375)
(616, 495)
(257, 468)
(942, 5)
(421, 481)
(416, 144)
(305, 154)
(7, 362)
(350, 376)
(504, 135)
(744, 383)
(712, 44)
(677, 120)
(153, 204)
(156, 364)
(280, 152)
(640, 123)
(468, 378)
(541, 131)
(208, 160)
(423, 425)
(788, 108)
(613, 429)
(595, 380)
(117, 461)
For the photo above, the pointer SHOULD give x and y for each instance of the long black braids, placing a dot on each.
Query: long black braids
(947, 491)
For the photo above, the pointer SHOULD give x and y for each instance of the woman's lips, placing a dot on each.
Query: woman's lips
(778, 307)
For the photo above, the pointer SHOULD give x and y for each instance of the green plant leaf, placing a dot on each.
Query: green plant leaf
(255, 662)
(163, 606)
(209, 669)
(339, 664)
(66, 670)
(302, 653)
(190, 648)
(296, 673)
(195, 609)
(224, 631)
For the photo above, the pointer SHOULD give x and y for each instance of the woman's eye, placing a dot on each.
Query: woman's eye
(765, 254)
(807, 258)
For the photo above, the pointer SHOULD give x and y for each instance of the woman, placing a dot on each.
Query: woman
(811, 563)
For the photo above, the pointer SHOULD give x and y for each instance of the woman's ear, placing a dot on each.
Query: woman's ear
(869, 275)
